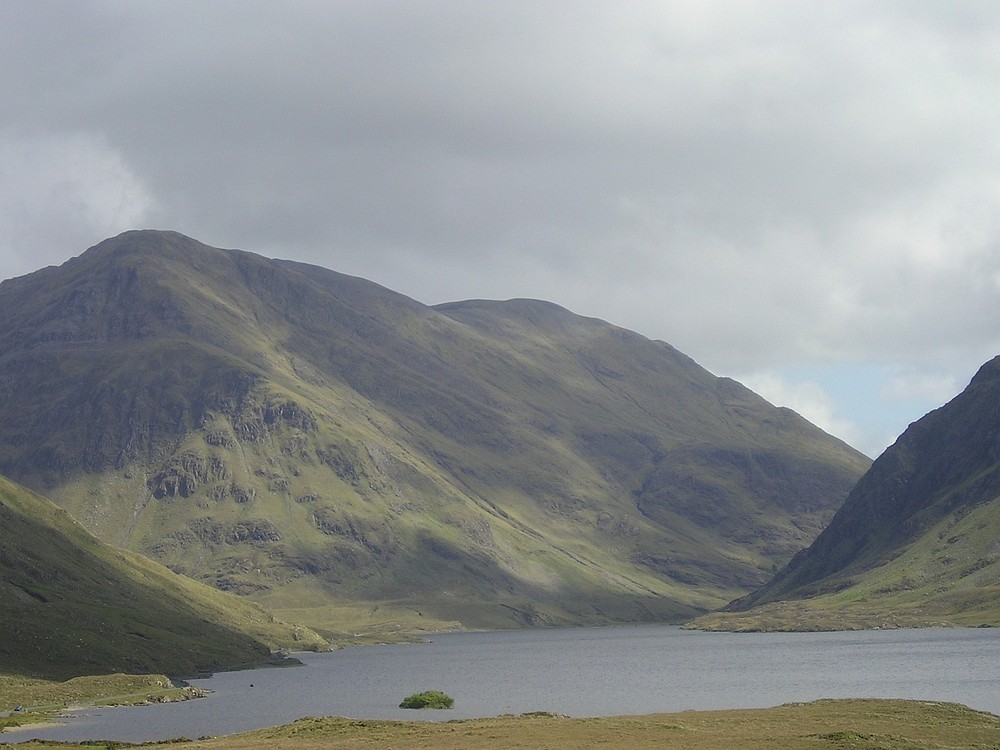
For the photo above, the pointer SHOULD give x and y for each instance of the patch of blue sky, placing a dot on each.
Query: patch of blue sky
(866, 405)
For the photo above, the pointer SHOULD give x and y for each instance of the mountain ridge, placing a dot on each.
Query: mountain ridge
(296, 434)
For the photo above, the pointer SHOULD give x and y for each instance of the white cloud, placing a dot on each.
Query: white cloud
(936, 389)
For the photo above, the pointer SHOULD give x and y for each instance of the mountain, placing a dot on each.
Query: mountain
(917, 541)
(356, 460)
(74, 606)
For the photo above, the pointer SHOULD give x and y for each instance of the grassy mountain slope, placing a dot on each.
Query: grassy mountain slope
(916, 542)
(73, 605)
(354, 459)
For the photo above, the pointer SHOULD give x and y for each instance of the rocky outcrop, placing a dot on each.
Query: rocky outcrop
(184, 474)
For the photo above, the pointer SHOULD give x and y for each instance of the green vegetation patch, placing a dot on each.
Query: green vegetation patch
(428, 699)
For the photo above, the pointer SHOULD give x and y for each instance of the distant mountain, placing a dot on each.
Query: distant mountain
(356, 460)
(918, 540)
(73, 605)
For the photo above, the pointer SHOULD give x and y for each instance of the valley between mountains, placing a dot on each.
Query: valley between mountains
(917, 541)
(356, 461)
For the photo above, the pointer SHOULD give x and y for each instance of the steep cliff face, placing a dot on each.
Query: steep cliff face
(322, 443)
(916, 540)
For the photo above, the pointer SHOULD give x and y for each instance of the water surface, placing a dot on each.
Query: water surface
(579, 672)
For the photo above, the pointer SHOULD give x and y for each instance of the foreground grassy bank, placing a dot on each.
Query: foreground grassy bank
(821, 724)
(40, 698)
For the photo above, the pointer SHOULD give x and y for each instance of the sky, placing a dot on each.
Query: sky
(804, 196)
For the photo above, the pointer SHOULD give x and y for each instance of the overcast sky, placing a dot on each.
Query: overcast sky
(801, 195)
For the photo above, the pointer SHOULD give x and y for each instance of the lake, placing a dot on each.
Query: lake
(576, 671)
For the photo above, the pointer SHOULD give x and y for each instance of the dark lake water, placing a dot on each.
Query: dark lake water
(579, 672)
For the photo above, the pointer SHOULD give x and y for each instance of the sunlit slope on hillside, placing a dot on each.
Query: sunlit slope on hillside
(73, 605)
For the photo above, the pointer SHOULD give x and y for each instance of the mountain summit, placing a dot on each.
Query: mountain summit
(354, 459)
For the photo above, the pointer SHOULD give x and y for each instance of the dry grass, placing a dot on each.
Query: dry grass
(822, 724)
(830, 724)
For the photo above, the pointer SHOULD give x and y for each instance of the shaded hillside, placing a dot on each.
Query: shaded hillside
(349, 456)
(918, 539)
(73, 606)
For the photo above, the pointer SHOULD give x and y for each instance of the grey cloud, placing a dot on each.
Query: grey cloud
(756, 182)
